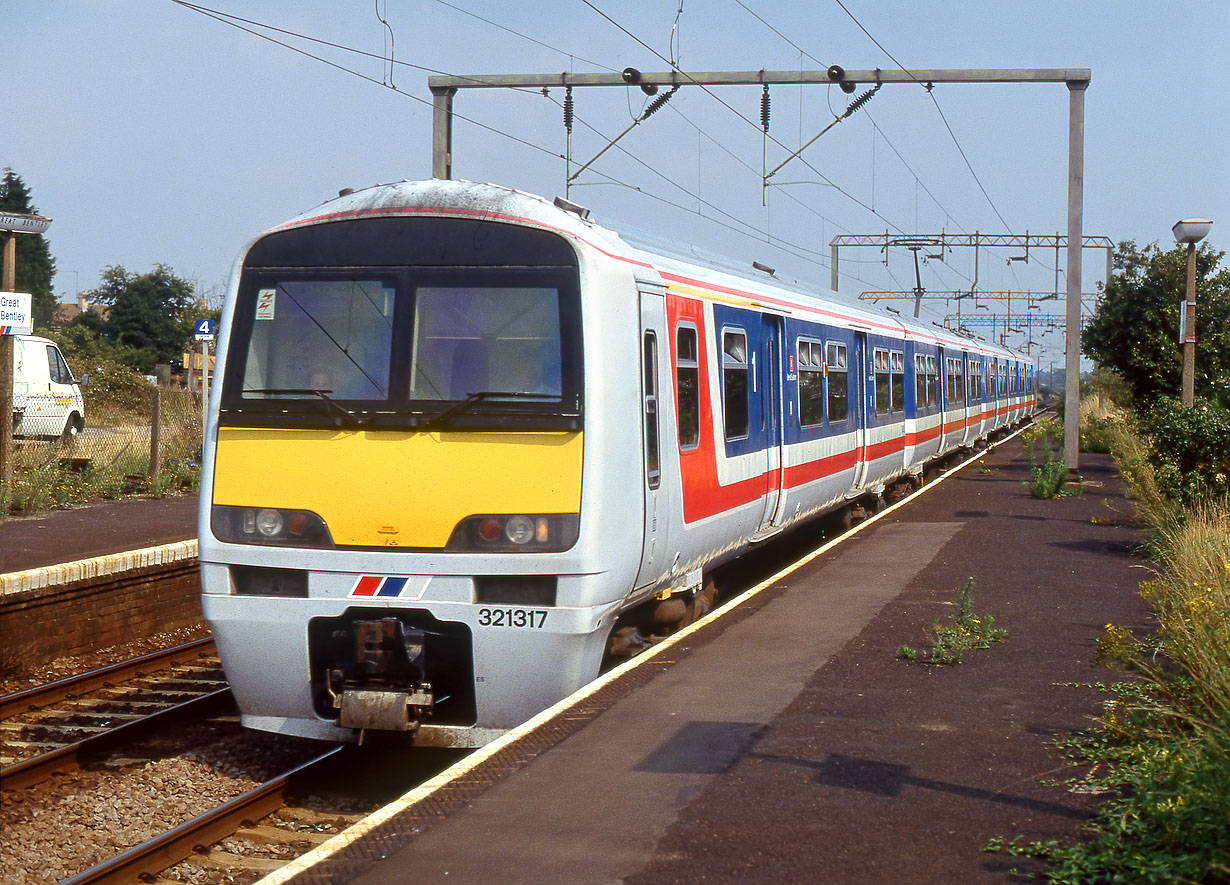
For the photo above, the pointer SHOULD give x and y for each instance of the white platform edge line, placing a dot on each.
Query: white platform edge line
(65, 573)
(362, 828)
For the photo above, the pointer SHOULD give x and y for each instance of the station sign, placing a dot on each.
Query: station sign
(15, 313)
(205, 330)
(23, 224)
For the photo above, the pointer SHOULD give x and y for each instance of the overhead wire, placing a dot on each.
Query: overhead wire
(735, 224)
(889, 141)
(935, 102)
(249, 26)
(239, 23)
(738, 113)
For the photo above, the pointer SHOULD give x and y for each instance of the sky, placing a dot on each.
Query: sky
(152, 132)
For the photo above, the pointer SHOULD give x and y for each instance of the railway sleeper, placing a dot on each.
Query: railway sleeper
(268, 835)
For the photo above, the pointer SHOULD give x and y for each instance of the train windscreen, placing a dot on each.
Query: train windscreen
(406, 347)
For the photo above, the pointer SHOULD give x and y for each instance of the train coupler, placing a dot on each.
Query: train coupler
(384, 710)
(377, 676)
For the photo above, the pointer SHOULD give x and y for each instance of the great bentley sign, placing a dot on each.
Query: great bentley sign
(23, 224)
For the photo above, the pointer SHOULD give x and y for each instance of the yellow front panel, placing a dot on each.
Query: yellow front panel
(396, 488)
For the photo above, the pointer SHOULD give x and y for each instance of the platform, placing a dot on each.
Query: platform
(60, 536)
(786, 741)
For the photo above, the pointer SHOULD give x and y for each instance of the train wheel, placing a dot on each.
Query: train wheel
(702, 603)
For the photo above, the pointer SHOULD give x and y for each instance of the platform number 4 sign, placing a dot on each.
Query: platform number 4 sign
(204, 330)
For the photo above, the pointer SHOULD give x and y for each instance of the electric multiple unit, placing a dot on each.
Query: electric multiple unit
(468, 443)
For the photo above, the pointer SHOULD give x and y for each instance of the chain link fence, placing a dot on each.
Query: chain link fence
(150, 444)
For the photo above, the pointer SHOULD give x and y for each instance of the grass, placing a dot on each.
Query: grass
(961, 632)
(1163, 744)
(110, 459)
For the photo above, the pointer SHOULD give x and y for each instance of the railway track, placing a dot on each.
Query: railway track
(62, 725)
(236, 817)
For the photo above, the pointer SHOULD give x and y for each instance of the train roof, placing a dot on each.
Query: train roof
(659, 256)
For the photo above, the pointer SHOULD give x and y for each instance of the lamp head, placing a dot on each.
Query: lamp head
(1191, 230)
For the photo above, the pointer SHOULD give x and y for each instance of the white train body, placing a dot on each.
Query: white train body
(462, 435)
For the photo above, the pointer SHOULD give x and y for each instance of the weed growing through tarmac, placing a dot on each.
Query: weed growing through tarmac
(963, 631)
(1048, 479)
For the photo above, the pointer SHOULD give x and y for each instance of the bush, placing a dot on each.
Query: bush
(1190, 450)
(115, 386)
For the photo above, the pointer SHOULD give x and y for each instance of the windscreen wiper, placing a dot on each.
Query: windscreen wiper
(479, 396)
(344, 415)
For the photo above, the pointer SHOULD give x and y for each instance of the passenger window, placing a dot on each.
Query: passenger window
(920, 381)
(687, 387)
(734, 382)
(837, 392)
(882, 388)
(897, 368)
(953, 392)
(811, 383)
(653, 473)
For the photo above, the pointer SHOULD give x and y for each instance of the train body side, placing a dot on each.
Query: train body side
(442, 545)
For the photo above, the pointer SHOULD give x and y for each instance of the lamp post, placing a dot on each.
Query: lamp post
(1190, 231)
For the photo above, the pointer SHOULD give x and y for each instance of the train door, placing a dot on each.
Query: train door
(942, 395)
(771, 410)
(967, 390)
(861, 380)
(654, 370)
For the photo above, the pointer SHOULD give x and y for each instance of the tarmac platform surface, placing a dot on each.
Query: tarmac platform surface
(787, 742)
(97, 530)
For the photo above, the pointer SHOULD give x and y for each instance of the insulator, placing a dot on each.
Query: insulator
(568, 110)
(861, 100)
(764, 108)
(656, 104)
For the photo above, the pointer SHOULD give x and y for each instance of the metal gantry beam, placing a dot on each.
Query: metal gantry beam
(444, 90)
(945, 240)
(999, 319)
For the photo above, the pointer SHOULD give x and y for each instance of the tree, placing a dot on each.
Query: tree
(147, 313)
(1135, 331)
(35, 266)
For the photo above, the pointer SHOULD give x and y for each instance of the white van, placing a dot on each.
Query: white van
(47, 400)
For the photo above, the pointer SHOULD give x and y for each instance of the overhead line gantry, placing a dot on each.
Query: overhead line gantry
(444, 89)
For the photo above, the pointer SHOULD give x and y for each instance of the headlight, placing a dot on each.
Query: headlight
(520, 529)
(542, 533)
(269, 522)
(268, 525)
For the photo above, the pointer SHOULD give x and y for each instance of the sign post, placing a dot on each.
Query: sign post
(15, 319)
(205, 335)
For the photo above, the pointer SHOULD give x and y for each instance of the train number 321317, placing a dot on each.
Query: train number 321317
(511, 617)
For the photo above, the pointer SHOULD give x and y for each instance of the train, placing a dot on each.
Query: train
(468, 444)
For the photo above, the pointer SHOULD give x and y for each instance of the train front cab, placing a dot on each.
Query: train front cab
(399, 545)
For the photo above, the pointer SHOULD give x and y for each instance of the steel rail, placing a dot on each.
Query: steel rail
(157, 854)
(31, 771)
(101, 677)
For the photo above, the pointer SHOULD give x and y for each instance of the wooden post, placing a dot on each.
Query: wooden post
(155, 431)
(6, 381)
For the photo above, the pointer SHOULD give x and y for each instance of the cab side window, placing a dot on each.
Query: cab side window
(56, 367)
